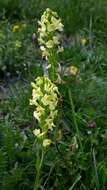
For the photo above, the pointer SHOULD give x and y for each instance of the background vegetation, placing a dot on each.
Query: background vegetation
(66, 167)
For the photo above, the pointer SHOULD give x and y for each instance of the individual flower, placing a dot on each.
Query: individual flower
(47, 142)
(50, 44)
(36, 132)
(71, 70)
(56, 40)
(60, 49)
(83, 41)
(15, 28)
(49, 28)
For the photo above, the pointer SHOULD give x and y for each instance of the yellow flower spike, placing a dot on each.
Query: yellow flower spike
(15, 28)
(46, 143)
(49, 38)
(83, 41)
(45, 100)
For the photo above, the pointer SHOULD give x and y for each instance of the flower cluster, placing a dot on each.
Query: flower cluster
(49, 30)
(45, 99)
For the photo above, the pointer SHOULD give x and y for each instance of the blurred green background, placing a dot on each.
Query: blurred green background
(65, 165)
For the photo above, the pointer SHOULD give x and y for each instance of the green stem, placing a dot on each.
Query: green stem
(52, 62)
(74, 119)
(39, 163)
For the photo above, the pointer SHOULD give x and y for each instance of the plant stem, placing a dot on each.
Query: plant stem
(39, 163)
(75, 182)
(74, 119)
(52, 61)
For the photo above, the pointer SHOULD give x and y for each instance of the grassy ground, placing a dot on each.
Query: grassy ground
(79, 160)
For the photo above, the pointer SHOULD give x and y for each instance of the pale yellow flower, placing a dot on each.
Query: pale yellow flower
(15, 28)
(45, 54)
(60, 49)
(42, 48)
(39, 112)
(56, 40)
(43, 28)
(83, 41)
(49, 123)
(36, 115)
(49, 26)
(40, 109)
(47, 142)
(41, 41)
(49, 99)
(36, 132)
(57, 24)
(50, 44)
(73, 70)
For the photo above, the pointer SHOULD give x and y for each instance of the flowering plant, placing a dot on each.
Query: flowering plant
(45, 92)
